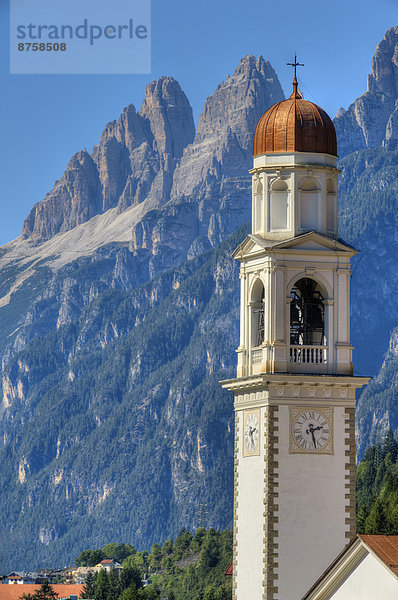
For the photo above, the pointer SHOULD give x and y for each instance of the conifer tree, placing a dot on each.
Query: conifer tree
(88, 588)
(391, 445)
(130, 593)
(101, 586)
(45, 592)
(113, 585)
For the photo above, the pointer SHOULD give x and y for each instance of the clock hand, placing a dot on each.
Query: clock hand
(311, 430)
(313, 438)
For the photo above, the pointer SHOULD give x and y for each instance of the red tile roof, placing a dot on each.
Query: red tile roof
(14, 591)
(385, 547)
(106, 561)
(229, 571)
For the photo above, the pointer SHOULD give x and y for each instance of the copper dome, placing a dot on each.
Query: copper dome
(295, 125)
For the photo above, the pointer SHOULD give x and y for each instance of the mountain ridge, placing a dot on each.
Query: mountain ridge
(97, 415)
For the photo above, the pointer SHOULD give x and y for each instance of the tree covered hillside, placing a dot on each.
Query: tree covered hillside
(377, 488)
(193, 566)
(122, 430)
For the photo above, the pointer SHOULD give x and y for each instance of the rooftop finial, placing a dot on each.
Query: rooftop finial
(295, 64)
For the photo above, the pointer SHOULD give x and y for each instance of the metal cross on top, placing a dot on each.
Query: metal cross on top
(295, 64)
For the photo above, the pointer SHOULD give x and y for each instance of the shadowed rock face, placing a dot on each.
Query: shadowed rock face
(372, 120)
(76, 198)
(134, 160)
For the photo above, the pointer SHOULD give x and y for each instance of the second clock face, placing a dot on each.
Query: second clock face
(251, 432)
(311, 431)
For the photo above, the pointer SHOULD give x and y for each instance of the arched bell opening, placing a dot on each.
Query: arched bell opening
(257, 314)
(307, 322)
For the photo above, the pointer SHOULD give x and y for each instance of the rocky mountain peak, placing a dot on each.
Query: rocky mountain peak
(169, 114)
(384, 76)
(224, 139)
(75, 198)
(134, 161)
(211, 185)
(254, 83)
(372, 120)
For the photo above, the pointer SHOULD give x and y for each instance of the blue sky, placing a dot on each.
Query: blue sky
(47, 118)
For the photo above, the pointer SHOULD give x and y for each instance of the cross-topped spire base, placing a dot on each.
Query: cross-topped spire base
(295, 64)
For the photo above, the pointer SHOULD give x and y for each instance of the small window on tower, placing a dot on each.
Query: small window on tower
(308, 205)
(331, 207)
(258, 204)
(257, 313)
(279, 203)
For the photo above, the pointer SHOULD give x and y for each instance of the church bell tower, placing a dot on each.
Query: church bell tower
(294, 492)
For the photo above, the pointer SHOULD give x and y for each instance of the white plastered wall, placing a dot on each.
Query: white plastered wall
(312, 509)
(370, 580)
(250, 508)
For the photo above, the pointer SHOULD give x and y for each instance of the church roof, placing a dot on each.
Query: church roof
(295, 125)
(256, 242)
(386, 548)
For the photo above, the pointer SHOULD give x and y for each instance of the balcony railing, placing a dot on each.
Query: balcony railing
(312, 355)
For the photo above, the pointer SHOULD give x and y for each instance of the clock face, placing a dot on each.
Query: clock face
(251, 432)
(311, 430)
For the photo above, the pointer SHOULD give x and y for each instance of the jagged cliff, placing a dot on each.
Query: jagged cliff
(372, 120)
(377, 410)
(149, 156)
(134, 161)
(113, 425)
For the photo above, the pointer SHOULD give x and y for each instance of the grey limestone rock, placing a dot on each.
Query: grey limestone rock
(210, 195)
(371, 120)
(134, 161)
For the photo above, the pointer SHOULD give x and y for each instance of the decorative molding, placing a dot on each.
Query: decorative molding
(250, 398)
(270, 527)
(350, 495)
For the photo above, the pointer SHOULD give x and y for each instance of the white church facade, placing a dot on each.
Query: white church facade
(294, 491)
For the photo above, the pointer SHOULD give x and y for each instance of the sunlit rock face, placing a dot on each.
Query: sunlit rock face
(372, 119)
(134, 160)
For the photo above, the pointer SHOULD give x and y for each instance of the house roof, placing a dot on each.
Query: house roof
(385, 547)
(107, 561)
(13, 592)
(229, 571)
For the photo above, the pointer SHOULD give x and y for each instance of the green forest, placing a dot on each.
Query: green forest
(377, 488)
(193, 566)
